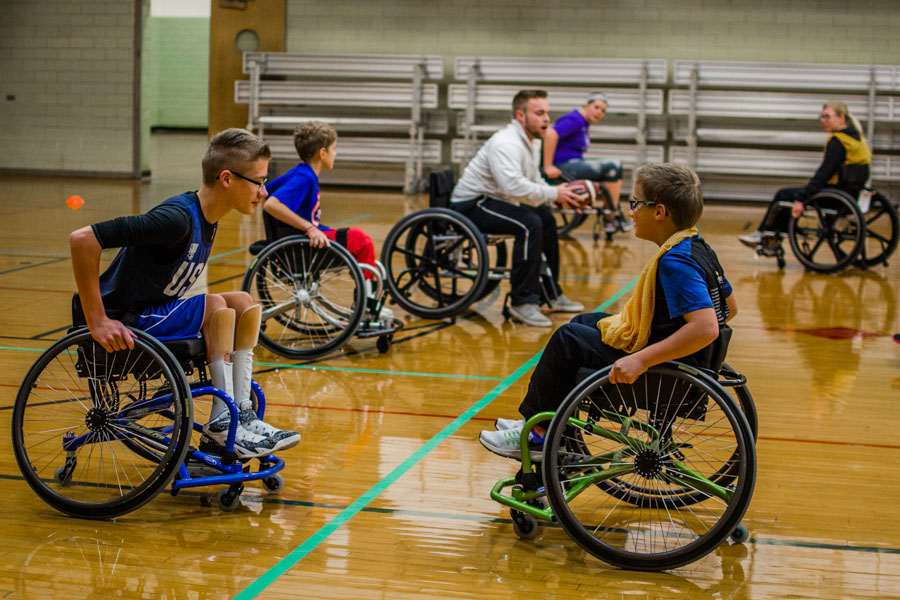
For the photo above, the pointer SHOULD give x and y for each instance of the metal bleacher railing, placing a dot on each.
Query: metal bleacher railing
(745, 126)
(635, 110)
(752, 119)
(364, 94)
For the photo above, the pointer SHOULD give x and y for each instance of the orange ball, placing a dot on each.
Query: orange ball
(75, 202)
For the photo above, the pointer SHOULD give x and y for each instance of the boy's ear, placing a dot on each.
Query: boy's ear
(661, 211)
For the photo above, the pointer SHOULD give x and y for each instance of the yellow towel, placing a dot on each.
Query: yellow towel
(630, 329)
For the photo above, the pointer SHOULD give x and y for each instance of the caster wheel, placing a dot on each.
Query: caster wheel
(63, 475)
(781, 262)
(273, 484)
(227, 499)
(383, 344)
(524, 525)
(740, 534)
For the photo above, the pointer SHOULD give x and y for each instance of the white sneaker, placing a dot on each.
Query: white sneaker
(385, 315)
(504, 424)
(246, 444)
(531, 315)
(563, 304)
(283, 439)
(506, 443)
(751, 240)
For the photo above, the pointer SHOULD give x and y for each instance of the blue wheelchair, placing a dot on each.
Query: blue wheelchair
(97, 434)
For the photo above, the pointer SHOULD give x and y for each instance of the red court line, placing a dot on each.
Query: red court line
(476, 418)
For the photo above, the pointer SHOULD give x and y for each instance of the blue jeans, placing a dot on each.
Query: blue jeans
(593, 169)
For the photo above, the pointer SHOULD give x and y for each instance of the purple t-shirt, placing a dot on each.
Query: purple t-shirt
(574, 137)
(298, 189)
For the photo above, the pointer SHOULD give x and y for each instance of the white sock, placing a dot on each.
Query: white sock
(243, 374)
(220, 374)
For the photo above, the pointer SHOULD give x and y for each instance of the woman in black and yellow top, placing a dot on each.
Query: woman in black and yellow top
(845, 166)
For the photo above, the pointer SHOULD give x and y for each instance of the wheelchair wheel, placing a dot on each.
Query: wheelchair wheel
(437, 263)
(882, 232)
(312, 298)
(497, 256)
(568, 220)
(830, 233)
(97, 435)
(650, 476)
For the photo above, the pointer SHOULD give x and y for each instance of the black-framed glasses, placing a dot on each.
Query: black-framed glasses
(258, 184)
(635, 203)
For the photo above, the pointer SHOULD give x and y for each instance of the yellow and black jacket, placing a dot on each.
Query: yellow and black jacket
(845, 165)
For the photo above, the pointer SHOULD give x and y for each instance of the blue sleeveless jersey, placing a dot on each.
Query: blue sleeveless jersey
(135, 281)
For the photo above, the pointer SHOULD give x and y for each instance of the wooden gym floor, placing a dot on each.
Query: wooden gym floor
(387, 495)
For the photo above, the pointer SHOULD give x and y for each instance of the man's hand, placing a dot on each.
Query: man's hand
(113, 335)
(317, 239)
(566, 198)
(627, 369)
(797, 209)
(552, 172)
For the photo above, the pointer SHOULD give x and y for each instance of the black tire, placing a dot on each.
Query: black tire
(126, 419)
(882, 232)
(662, 435)
(569, 220)
(830, 233)
(312, 298)
(437, 263)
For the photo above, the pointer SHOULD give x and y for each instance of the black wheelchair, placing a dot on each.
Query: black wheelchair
(648, 476)
(313, 299)
(437, 263)
(837, 231)
(97, 434)
(569, 219)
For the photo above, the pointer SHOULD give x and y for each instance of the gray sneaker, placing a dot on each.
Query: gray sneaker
(246, 443)
(283, 439)
(531, 315)
(563, 304)
(751, 240)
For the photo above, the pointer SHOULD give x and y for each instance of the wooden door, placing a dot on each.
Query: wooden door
(229, 18)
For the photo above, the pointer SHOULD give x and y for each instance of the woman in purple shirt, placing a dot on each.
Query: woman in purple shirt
(564, 146)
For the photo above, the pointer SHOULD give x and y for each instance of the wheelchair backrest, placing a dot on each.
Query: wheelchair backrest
(440, 188)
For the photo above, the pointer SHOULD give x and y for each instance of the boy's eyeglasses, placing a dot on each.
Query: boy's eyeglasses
(258, 184)
(635, 203)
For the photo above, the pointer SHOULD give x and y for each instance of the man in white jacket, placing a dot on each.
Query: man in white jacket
(502, 192)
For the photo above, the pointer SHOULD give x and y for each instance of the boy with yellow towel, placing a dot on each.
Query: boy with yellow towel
(680, 302)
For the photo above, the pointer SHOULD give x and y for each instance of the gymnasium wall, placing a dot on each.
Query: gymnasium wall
(177, 77)
(67, 85)
(839, 31)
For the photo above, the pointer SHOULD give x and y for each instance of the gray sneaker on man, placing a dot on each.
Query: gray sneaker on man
(751, 240)
(282, 439)
(530, 314)
(563, 304)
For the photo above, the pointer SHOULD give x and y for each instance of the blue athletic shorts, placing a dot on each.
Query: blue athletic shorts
(178, 319)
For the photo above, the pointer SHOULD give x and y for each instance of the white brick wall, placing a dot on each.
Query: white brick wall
(69, 67)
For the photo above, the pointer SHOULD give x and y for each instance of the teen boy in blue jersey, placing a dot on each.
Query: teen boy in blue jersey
(681, 301)
(162, 253)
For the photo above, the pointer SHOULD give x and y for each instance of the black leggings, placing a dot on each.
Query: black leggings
(534, 228)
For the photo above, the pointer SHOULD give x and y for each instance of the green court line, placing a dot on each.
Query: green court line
(298, 553)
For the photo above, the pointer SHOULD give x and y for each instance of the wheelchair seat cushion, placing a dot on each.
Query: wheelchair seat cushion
(187, 349)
